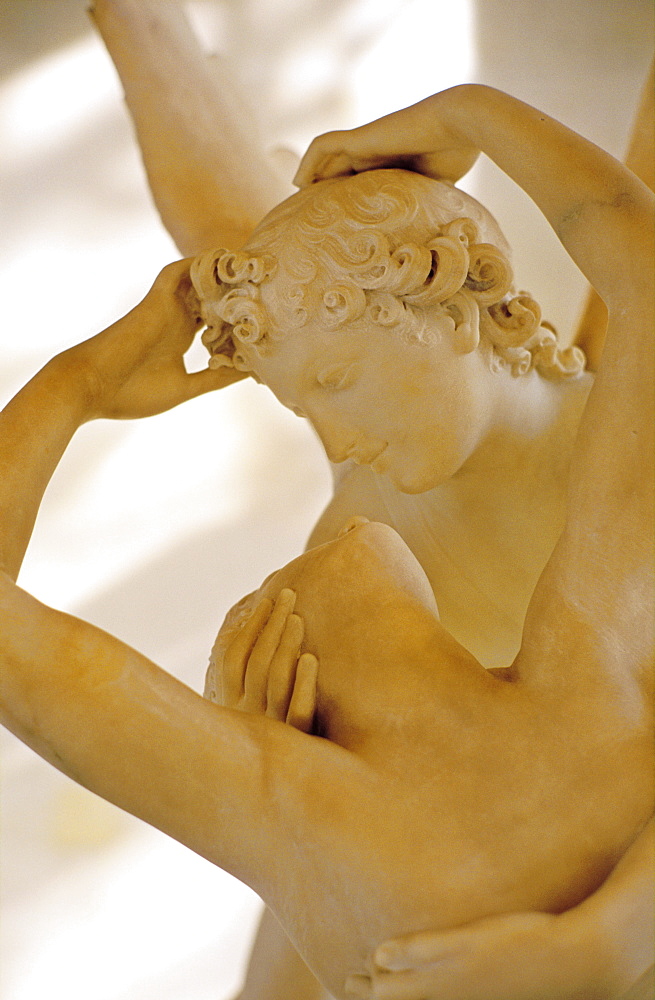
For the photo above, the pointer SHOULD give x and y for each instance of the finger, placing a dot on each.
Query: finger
(408, 986)
(302, 707)
(174, 274)
(415, 950)
(322, 167)
(282, 673)
(325, 157)
(306, 171)
(235, 658)
(360, 987)
(210, 379)
(255, 683)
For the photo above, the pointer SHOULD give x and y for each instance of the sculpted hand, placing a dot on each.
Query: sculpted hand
(263, 669)
(416, 138)
(514, 957)
(136, 368)
(596, 950)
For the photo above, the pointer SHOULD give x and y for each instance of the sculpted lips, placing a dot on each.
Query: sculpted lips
(366, 457)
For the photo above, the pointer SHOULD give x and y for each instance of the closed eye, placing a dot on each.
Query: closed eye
(337, 376)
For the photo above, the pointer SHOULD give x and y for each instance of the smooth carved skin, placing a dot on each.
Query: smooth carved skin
(442, 437)
(441, 793)
(470, 832)
(505, 805)
(483, 538)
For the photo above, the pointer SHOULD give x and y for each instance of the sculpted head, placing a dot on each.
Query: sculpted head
(374, 285)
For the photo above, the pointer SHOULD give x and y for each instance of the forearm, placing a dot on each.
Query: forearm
(207, 170)
(586, 195)
(35, 429)
(621, 912)
(134, 368)
(603, 216)
(640, 159)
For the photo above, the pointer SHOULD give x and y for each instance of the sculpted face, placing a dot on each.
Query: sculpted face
(413, 411)
(340, 304)
(376, 306)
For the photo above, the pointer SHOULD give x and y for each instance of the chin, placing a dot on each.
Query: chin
(413, 483)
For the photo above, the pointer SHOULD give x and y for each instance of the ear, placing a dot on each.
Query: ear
(463, 310)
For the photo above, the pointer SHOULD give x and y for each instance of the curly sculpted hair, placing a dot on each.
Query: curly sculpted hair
(385, 247)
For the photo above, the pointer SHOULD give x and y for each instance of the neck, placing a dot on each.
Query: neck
(511, 493)
(494, 524)
(528, 438)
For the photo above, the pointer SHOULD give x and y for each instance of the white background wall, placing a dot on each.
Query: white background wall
(152, 530)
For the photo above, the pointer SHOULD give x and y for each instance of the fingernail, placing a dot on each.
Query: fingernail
(358, 986)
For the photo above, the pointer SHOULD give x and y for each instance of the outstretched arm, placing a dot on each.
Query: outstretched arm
(207, 168)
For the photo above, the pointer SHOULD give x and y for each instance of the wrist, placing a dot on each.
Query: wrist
(602, 945)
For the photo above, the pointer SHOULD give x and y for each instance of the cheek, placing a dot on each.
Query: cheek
(413, 475)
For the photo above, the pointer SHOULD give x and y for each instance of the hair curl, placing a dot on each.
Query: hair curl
(385, 246)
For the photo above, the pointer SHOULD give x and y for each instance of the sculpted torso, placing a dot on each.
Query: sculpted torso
(440, 791)
(433, 817)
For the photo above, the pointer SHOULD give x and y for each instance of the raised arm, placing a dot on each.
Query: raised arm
(135, 368)
(640, 158)
(580, 189)
(603, 216)
(207, 168)
(588, 636)
(90, 705)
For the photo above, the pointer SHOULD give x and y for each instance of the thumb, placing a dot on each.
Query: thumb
(210, 379)
(416, 950)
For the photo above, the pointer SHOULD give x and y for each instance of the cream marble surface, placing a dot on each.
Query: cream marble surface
(85, 912)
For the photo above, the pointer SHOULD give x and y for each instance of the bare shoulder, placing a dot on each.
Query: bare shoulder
(117, 723)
